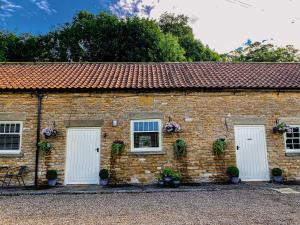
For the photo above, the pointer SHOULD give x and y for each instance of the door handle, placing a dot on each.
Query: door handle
(237, 147)
(97, 149)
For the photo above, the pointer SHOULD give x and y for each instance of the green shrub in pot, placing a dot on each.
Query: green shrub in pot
(117, 147)
(233, 173)
(51, 175)
(277, 175)
(219, 147)
(180, 148)
(104, 175)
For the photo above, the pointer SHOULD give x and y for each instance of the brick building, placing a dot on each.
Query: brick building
(93, 104)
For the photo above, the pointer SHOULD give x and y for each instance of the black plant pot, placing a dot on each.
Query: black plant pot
(277, 179)
(168, 181)
(103, 182)
(175, 183)
(160, 183)
(235, 180)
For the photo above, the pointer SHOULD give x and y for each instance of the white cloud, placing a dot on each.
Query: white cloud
(44, 5)
(7, 8)
(226, 24)
(124, 8)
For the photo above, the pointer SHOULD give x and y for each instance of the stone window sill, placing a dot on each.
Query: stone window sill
(18, 155)
(147, 152)
(292, 154)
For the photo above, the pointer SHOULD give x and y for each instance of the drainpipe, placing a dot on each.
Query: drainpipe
(38, 131)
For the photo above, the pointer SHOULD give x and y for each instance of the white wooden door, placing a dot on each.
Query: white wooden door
(251, 153)
(83, 156)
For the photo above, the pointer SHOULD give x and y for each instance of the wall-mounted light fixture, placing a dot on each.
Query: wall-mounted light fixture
(114, 123)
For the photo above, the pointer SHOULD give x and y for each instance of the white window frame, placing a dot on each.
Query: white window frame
(20, 145)
(285, 138)
(154, 149)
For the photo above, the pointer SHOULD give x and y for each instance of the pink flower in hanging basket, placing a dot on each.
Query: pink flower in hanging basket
(172, 127)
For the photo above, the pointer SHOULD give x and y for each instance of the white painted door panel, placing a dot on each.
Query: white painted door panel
(251, 153)
(83, 158)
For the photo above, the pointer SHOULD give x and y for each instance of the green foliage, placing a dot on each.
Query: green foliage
(276, 172)
(261, 52)
(168, 172)
(176, 176)
(178, 26)
(107, 38)
(180, 148)
(219, 147)
(104, 174)
(170, 49)
(232, 171)
(44, 148)
(117, 147)
(51, 174)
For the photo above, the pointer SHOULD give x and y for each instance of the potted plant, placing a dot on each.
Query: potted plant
(233, 173)
(176, 176)
(219, 146)
(277, 175)
(172, 127)
(51, 175)
(167, 176)
(160, 180)
(49, 132)
(117, 147)
(44, 148)
(281, 128)
(104, 175)
(180, 148)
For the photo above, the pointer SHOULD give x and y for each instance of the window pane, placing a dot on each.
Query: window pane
(140, 126)
(6, 128)
(9, 142)
(136, 126)
(151, 126)
(12, 128)
(2, 128)
(146, 126)
(146, 140)
(155, 126)
(296, 146)
(17, 128)
(289, 146)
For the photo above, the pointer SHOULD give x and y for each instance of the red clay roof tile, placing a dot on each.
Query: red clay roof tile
(149, 75)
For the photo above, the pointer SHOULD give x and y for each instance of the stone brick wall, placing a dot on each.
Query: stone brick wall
(212, 115)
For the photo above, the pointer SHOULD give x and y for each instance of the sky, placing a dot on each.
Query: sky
(222, 24)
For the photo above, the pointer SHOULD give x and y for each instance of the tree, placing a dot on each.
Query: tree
(263, 52)
(170, 49)
(179, 27)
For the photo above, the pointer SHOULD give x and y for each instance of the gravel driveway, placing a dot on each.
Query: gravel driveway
(198, 207)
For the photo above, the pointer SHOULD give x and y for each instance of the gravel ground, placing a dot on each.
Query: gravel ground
(200, 207)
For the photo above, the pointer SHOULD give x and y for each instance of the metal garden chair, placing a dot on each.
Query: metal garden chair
(18, 174)
(4, 171)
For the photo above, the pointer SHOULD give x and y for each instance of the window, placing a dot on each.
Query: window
(292, 140)
(146, 135)
(10, 137)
